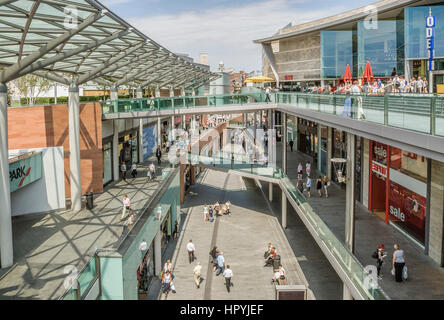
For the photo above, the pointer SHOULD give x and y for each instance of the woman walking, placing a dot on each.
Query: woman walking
(326, 185)
(319, 186)
(166, 283)
(206, 214)
(380, 255)
(398, 262)
(308, 186)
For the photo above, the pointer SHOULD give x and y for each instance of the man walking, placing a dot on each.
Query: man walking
(267, 95)
(123, 170)
(220, 263)
(228, 275)
(158, 154)
(291, 143)
(197, 272)
(191, 248)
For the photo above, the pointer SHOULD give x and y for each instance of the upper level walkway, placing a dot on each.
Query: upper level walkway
(414, 123)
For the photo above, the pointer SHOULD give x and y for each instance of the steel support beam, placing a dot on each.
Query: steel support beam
(138, 73)
(6, 247)
(74, 147)
(53, 77)
(284, 142)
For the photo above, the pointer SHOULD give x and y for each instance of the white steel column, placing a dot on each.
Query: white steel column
(172, 128)
(139, 93)
(159, 132)
(171, 92)
(6, 247)
(158, 253)
(157, 92)
(74, 147)
(350, 201)
(270, 191)
(254, 134)
(329, 151)
(284, 142)
(182, 92)
(140, 140)
(184, 122)
(284, 210)
(116, 163)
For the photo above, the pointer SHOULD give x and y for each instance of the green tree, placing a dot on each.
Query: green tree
(31, 87)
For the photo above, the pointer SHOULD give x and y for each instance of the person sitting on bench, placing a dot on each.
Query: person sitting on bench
(279, 276)
(270, 259)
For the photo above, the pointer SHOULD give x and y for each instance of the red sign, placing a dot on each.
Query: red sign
(289, 77)
(379, 169)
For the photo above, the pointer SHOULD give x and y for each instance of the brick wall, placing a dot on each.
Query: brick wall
(47, 126)
(436, 211)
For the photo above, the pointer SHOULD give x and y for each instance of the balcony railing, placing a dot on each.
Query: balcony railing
(420, 113)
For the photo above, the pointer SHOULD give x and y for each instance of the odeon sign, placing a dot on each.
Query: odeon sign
(25, 171)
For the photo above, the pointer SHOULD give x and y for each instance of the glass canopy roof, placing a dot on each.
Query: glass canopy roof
(77, 41)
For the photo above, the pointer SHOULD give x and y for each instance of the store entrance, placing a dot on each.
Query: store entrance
(438, 81)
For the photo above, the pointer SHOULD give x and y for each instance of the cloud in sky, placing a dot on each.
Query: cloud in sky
(226, 32)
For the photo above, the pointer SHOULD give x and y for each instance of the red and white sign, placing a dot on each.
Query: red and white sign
(379, 169)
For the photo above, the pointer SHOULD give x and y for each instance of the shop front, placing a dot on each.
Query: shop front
(308, 138)
(398, 189)
(145, 274)
(128, 148)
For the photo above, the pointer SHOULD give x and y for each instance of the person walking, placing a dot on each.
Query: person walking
(291, 143)
(152, 171)
(300, 170)
(380, 255)
(228, 275)
(123, 170)
(166, 283)
(220, 263)
(126, 206)
(158, 155)
(196, 272)
(168, 266)
(308, 168)
(206, 214)
(308, 186)
(300, 185)
(398, 262)
(191, 248)
(176, 230)
(134, 170)
(267, 95)
(213, 257)
(319, 186)
(227, 206)
(326, 183)
(210, 214)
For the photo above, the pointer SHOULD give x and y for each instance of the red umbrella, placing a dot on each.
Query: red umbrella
(348, 74)
(368, 73)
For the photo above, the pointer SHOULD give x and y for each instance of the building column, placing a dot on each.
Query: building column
(184, 122)
(260, 119)
(159, 132)
(182, 92)
(244, 119)
(171, 92)
(172, 128)
(284, 210)
(157, 92)
(350, 201)
(436, 211)
(284, 142)
(6, 247)
(141, 141)
(158, 253)
(193, 92)
(74, 147)
(116, 159)
(139, 93)
(329, 152)
(270, 191)
(319, 148)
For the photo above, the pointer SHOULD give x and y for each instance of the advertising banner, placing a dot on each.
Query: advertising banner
(25, 171)
(149, 141)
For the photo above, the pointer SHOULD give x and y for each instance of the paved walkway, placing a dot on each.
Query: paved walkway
(242, 237)
(45, 243)
(426, 277)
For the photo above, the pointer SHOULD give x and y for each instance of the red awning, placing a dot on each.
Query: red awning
(348, 74)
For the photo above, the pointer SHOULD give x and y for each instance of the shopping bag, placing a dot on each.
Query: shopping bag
(393, 271)
(404, 273)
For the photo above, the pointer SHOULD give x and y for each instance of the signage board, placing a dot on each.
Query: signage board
(379, 169)
(25, 171)
(430, 39)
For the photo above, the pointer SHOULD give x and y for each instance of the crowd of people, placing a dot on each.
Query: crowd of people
(210, 211)
(322, 184)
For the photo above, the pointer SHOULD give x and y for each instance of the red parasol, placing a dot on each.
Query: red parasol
(368, 73)
(348, 74)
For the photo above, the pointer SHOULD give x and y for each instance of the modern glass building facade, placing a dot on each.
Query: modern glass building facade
(336, 53)
(392, 44)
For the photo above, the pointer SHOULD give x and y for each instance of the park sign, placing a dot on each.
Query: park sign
(430, 36)
(24, 170)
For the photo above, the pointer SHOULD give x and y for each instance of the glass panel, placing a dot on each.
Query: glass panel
(336, 53)
(87, 276)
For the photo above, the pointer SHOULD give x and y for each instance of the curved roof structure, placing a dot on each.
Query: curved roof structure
(76, 41)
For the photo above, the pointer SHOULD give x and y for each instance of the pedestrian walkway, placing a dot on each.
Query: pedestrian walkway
(44, 244)
(426, 277)
(242, 237)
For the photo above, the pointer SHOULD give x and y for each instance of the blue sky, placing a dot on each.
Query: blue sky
(224, 29)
